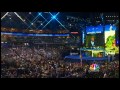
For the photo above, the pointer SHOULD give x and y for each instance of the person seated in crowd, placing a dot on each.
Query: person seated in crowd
(33, 63)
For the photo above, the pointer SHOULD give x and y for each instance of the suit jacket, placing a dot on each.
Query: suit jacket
(90, 45)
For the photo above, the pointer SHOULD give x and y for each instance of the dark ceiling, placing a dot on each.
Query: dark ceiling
(31, 20)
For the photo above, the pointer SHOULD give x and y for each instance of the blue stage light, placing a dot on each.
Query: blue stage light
(54, 17)
(40, 13)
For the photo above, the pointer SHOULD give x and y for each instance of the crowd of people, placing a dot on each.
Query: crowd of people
(26, 62)
(44, 39)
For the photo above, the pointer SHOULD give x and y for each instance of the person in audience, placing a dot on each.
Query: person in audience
(25, 62)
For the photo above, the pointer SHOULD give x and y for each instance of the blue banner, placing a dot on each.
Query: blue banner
(24, 34)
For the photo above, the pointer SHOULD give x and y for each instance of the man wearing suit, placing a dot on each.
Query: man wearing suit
(92, 42)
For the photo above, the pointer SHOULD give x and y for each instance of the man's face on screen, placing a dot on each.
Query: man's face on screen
(92, 39)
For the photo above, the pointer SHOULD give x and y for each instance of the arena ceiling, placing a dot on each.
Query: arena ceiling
(41, 20)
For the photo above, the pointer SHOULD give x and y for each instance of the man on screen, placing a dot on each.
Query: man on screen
(92, 42)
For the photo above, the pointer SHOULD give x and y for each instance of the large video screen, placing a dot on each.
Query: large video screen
(97, 39)
(110, 41)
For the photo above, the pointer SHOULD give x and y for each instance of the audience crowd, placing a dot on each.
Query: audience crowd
(26, 62)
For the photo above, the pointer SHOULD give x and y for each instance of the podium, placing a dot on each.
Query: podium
(94, 52)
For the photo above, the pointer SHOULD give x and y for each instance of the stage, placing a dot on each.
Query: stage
(76, 58)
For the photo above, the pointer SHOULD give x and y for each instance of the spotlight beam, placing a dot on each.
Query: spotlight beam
(29, 20)
(47, 23)
(33, 21)
(61, 24)
(58, 21)
(20, 18)
(4, 15)
(40, 25)
(43, 17)
(50, 20)
(36, 18)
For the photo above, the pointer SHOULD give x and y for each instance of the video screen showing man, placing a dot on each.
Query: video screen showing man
(96, 40)
(90, 41)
